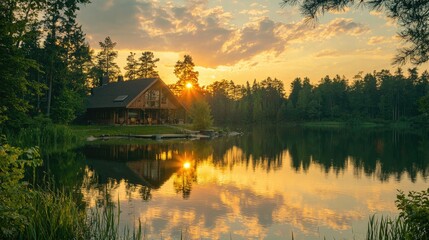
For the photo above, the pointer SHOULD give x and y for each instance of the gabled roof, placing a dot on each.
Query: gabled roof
(119, 94)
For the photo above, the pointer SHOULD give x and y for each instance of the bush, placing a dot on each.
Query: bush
(415, 213)
(14, 193)
(200, 114)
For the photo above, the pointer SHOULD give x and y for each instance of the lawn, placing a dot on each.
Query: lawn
(97, 130)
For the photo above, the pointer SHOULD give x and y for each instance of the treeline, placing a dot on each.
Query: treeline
(46, 65)
(47, 69)
(44, 61)
(373, 96)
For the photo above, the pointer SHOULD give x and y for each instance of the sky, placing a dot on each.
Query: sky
(244, 40)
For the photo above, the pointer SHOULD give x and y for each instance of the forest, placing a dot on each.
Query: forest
(377, 96)
(47, 70)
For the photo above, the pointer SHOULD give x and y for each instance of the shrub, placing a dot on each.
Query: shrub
(14, 193)
(200, 114)
(415, 213)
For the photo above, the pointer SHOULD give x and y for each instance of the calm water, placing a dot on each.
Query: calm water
(265, 184)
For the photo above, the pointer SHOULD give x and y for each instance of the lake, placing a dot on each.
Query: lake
(265, 184)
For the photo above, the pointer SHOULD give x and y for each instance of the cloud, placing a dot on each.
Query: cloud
(303, 31)
(376, 40)
(390, 22)
(328, 53)
(208, 34)
(256, 10)
(343, 25)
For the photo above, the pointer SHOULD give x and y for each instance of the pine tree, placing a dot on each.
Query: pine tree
(106, 60)
(66, 55)
(147, 65)
(184, 71)
(132, 67)
(13, 64)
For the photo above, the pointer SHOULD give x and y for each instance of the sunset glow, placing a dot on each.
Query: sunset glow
(189, 85)
(245, 40)
(187, 165)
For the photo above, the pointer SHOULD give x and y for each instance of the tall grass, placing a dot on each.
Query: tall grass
(49, 136)
(103, 223)
(56, 215)
(386, 228)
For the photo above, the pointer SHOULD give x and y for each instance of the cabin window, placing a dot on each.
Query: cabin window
(152, 98)
(120, 98)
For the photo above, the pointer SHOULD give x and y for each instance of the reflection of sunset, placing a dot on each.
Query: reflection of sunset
(251, 197)
(187, 165)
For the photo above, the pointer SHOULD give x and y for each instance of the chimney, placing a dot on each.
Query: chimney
(104, 80)
(120, 78)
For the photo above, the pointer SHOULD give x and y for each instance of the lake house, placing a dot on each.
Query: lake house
(141, 101)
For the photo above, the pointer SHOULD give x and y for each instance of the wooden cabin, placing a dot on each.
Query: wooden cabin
(141, 101)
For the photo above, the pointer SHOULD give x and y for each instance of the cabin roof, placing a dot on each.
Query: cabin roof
(119, 94)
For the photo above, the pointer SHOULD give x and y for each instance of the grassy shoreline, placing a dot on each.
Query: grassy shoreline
(84, 131)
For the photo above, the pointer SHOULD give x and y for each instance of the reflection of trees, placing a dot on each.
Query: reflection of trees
(145, 193)
(372, 152)
(261, 149)
(384, 153)
(64, 169)
(183, 181)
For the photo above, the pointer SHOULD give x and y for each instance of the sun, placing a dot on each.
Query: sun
(186, 165)
(189, 85)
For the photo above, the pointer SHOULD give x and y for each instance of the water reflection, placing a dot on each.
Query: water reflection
(264, 184)
(184, 178)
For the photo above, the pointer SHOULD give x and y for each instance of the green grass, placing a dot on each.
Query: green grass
(56, 215)
(386, 228)
(82, 132)
(50, 135)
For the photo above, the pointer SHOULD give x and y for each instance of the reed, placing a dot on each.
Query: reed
(104, 223)
(54, 215)
(386, 228)
(45, 136)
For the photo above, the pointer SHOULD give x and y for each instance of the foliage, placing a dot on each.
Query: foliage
(415, 213)
(200, 114)
(424, 106)
(412, 17)
(55, 215)
(412, 223)
(147, 65)
(15, 16)
(43, 60)
(15, 210)
(82, 132)
(65, 57)
(131, 68)
(373, 96)
(48, 136)
(385, 228)
(184, 71)
(233, 103)
(106, 60)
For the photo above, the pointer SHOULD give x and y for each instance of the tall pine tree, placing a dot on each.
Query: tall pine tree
(147, 65)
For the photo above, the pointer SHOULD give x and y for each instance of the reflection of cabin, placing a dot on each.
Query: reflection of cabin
(141, 101)
(149, 165)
